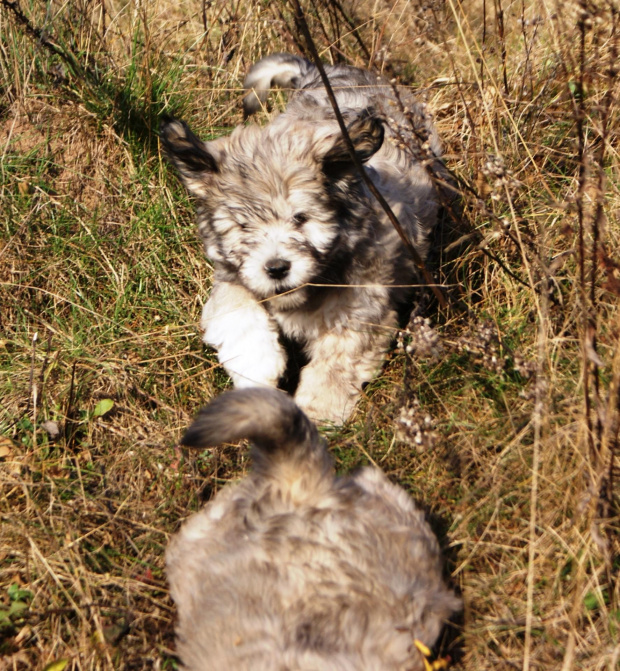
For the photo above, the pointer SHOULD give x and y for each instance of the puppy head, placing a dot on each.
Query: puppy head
(275, 204)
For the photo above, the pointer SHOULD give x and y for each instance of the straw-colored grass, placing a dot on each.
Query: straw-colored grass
(102, 279)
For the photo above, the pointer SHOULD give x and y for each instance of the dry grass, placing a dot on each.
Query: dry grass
(102, 280)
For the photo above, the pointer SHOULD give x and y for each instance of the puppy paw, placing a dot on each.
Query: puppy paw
(326, 405)
(245, 336)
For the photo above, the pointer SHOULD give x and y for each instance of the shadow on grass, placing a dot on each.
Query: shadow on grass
(132, 102)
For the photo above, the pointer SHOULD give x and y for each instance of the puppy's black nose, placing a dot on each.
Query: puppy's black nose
(277, 268)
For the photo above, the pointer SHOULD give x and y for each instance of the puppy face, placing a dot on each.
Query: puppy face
(274, 204)
(269, 218)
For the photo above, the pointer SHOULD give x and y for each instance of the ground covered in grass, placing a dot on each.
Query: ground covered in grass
(499, 414)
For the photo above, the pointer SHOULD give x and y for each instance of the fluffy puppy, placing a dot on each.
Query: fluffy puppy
(295, 568)
(301, 249)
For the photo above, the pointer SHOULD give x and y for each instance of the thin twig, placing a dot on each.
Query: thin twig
(301, 21)
(580, 113)
(605, 465)
(33, 390)
(41, 36)
(499, 17)
(539, 407)
(354, 29)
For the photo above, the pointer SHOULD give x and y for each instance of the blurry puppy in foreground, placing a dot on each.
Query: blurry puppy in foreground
(295, 568)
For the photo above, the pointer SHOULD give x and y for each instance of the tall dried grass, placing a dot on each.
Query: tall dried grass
(501, 415)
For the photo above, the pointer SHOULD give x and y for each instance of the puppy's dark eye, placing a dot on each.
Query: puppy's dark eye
(300, 218)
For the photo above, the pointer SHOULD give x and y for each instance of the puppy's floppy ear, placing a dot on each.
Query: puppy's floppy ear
(366, 133)
(187, 153)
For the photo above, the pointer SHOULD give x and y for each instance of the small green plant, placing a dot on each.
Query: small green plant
(18, 606)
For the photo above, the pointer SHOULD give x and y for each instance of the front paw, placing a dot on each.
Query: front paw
(245, 336)
(325, 404)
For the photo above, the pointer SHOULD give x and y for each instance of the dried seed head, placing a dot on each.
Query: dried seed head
(415, 427)
(484, 345)
(494, 167)
(520, 365)
(424, 341)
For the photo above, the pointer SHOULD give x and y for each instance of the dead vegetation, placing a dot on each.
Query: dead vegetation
(510, 397)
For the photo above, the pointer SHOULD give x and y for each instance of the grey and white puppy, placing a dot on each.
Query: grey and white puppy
(301, 249)
(295, 568)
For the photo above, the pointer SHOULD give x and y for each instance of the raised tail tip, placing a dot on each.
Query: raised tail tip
(283, 70)
(267, 417)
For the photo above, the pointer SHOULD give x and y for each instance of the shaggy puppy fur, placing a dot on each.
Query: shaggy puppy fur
(294, 568)
(301, 249)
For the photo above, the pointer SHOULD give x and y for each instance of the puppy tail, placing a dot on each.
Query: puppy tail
(284, 70)
(286, 443)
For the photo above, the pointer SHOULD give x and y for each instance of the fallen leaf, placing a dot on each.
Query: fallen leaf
(58, 665)
(146, 577)
(103, 407)
(115, 632)
(6, 447)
